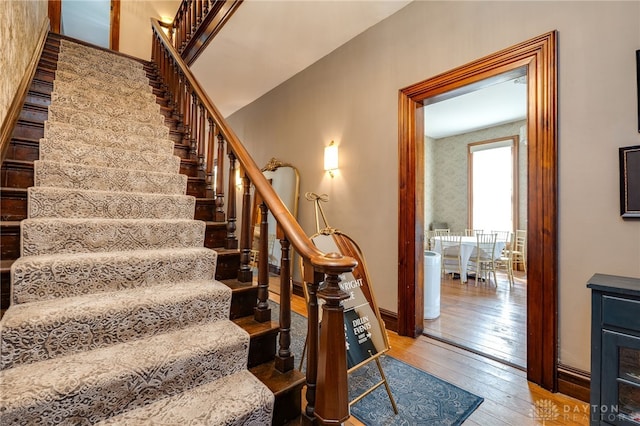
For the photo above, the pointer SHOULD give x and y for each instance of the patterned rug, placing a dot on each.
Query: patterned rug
(422, 399)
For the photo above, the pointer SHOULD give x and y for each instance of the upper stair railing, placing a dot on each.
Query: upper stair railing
(196, 23)
(208, 134)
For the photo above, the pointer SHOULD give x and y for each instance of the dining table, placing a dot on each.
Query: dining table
(468, 249)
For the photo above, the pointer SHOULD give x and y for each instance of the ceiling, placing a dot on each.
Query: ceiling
(490, 106)
(267, 42)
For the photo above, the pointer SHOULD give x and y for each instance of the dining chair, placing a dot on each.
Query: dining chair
(428, 239)
(519, 249)
(450, 254)
(441, 231)
(502, 236)
(483, 258)
(505, 262)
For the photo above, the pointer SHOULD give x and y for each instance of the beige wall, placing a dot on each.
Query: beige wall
(351, 96)
(22, 24)
(135, 24)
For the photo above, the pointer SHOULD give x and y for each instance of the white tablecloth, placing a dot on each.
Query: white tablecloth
(468, 246)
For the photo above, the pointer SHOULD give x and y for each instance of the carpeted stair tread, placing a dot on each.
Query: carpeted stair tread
(138, 123)
(38, 331)
(44, 277)
(62, 235)
(71, 48)
(68, 175)
(100, 68)
(125, 108)
(89, 155)
(140, 99)
(87, 387)
(79, 203)
(243, 398)
(115, 86)
(58, 132)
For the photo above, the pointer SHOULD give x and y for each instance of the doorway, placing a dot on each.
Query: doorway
(538, 56)
(94, 21)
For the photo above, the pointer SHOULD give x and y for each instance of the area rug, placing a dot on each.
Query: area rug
(422, 398)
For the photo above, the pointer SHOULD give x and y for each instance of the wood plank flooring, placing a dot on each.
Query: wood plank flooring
(509, 399)
(488, 319)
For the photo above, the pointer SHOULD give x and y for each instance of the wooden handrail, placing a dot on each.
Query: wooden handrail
(326, 376)
(197, 22)
(292, 229)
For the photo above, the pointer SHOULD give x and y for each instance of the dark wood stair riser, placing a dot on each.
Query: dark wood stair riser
(23, 149)
(45, 75)
(205, 209)
(197, 187)
(16, 174)
(228, 264)
(38, 98)
(243, 301)
(33, 112)
(13, 204)
(29, 130)
(9, 241)
(5, 290)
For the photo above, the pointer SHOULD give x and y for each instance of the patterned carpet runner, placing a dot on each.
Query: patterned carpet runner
(116, 317)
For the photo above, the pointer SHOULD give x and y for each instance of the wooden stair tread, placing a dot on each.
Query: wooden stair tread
(236, 285)
(276, 381)
(255, 328)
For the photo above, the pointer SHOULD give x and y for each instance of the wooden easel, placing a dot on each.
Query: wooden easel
(367, 339)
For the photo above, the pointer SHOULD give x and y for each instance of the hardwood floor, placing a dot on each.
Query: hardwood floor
(486, 319)
(509, 399)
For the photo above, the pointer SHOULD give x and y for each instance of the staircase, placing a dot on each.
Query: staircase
(120, 311)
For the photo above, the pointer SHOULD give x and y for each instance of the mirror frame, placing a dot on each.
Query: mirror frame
(539, 56)
(272, 166)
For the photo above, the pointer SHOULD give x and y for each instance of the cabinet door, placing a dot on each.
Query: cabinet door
(620, 386)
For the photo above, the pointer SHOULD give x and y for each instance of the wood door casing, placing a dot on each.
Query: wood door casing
(55, 17)
(539, 56)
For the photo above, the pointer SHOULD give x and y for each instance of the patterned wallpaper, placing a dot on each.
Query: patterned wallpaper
(446, 182)
(22, 22)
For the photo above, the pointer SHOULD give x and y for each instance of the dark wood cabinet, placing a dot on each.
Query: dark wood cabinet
(615, 350)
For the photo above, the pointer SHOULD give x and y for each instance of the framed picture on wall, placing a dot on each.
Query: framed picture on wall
(638, 84)
(630, 181)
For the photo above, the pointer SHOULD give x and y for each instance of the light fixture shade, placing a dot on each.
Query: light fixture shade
(331, 157)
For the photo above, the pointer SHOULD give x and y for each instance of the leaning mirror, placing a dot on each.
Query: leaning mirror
(285, 180)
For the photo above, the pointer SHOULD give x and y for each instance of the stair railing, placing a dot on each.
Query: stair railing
(196, 23)
(203, 126)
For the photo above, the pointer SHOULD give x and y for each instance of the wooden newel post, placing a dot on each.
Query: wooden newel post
(332, 395)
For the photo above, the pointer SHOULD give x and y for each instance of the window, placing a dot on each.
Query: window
(493, 184)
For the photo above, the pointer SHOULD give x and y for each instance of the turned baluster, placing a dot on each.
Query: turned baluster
(312, 279)
(199, 12)
(220, 179)
(154, 47)
(205, 8)
(186, 107)
(262, 312)
(194, 17)
(187, 27)
(179, 112)
(284, 357)
(245, 274)
(194, 123)
(210, 149)
(201, 140)
(231, 241)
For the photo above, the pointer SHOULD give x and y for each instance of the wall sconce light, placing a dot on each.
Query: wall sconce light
(331, 158)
